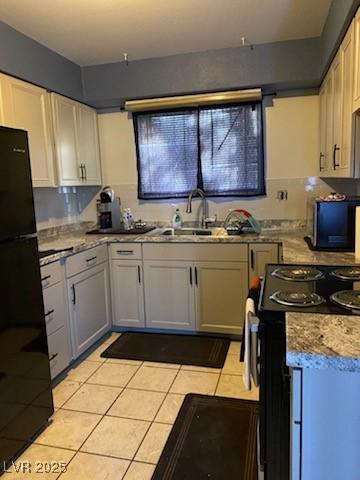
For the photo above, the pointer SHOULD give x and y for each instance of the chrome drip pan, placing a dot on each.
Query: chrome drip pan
(297, 299)
(298, 273)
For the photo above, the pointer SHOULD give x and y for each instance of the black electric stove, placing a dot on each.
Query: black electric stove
(311, 288)
(292, 288)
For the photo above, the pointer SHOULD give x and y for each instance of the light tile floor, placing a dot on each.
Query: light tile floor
(113, 417)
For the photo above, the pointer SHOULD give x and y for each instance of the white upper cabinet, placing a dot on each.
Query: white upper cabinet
(336, 113)
(88, 138)
(64, 117)
(27, 107)
(76, 142)
(356, 94)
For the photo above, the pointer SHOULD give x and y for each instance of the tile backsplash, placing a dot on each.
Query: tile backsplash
(60, 206)
(63, 205)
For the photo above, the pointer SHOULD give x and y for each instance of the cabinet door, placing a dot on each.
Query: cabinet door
(336, 153)
(322, 127)
(59, 351)
(169, 294)
(328, 85)
(345, 159)
(221, 289)
(127, 293)
(65, 121)
(89, 307)
(88, 144)
(356, 94)
(261, 254)
(27, 107)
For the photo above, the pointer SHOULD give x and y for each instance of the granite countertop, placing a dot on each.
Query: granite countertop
(295, 250)
(323, 341)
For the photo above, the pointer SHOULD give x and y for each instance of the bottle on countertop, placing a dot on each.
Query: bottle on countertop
(176, 219)
(128, 219)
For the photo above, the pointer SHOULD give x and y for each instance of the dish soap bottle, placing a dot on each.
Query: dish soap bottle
(177, 219)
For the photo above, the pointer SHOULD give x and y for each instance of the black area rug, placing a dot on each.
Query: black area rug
(158, 347)
(212, 438)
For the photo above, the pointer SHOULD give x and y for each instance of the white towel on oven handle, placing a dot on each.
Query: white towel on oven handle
(249, 311)
(251, 374)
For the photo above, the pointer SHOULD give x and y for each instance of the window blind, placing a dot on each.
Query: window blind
(218, 149)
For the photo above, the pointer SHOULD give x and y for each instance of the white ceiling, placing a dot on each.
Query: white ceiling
(100, 31)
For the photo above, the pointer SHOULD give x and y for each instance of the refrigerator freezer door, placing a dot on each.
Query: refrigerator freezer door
(25, 386)
(17, 217)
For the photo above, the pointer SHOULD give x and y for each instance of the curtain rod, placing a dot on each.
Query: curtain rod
(194, 100)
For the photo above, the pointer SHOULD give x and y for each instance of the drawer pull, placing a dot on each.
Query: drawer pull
(125, 252)
(53, 356)
(49, 312)
(91, 259)
(47, 277)
(139, 274)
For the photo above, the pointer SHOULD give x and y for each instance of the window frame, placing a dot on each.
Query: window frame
(262, 187)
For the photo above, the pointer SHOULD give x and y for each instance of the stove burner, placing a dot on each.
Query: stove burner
(298, 274)
(297, 299)
(347, 298)
(347, 273)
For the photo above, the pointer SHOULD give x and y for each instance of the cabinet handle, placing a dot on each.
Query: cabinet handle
(53, 356)
(336, 148)
(81, 171)
(196, 277)
(74, 294)
(139, 274)
(49, 312)
(85, 175)
(125, 252)
(252, 259)
(321, 167)
(47, 277)
(191, 281)
(91, 259)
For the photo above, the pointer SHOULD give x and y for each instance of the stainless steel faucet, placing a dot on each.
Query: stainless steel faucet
(201, 194)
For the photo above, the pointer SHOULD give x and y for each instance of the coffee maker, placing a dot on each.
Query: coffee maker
(108, 211)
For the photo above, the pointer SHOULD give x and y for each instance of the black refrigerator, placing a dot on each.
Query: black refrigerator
(25, 383)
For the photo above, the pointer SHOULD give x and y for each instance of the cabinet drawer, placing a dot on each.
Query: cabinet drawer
(126, 250)
(80, 262)
(54, 308)
(50, 274)
(59, 354)
(222, 252)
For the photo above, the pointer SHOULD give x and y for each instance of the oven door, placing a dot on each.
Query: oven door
(274, 418)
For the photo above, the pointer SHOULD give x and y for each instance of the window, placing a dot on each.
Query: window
(217, 149)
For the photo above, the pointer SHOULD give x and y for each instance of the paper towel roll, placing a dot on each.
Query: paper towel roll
(357, 235)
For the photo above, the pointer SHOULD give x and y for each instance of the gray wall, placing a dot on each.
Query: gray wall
(24, 58)
(282, 65)
(278, 66)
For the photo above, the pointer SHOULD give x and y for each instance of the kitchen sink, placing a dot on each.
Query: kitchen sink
(194, 231)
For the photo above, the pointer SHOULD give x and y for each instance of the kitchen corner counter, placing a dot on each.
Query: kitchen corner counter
(323, 341)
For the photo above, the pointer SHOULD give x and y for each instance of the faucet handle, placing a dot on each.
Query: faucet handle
(211, 219)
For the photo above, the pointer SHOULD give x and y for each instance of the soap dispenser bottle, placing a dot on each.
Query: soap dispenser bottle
(177, 219)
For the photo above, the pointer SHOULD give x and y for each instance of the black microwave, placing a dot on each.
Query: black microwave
(333, 224)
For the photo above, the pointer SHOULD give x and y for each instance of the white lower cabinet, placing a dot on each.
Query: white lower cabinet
(325, 424)
(89, 301)
(260, 254)
(169, 294)
(56, 317)
(220, 290)
(127, 293)
(59, 351)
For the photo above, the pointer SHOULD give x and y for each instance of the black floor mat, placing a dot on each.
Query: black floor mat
(212, 438)
(158, 347)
